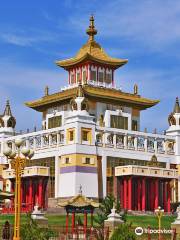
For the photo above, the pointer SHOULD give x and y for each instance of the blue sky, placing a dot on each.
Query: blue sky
(33, 34)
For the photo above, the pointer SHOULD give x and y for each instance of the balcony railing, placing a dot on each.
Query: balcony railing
(146, 171)
(105, 137)
(134, 140)
(44, 139)
(27, 172)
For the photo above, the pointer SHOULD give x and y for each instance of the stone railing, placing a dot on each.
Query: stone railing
(135, 141)
(38, 140)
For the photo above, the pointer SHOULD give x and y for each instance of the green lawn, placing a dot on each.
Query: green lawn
(143, 221)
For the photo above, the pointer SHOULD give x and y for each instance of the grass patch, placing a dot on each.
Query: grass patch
(152, 221)
(142, 221)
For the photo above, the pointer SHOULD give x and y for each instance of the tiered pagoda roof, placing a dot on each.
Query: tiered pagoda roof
(92, 51)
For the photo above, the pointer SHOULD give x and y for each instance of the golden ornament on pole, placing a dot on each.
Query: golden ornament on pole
(18, 157)
(159, 213)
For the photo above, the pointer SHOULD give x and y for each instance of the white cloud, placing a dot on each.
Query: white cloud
(20, 84)
(162, 84)
(152, 23)
(28, 38)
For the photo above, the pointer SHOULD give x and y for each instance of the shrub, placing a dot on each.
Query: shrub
(123, 232)
(105, 209)
(32, 231)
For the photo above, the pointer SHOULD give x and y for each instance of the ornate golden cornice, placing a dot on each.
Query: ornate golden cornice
(79, 201)
(100, 94)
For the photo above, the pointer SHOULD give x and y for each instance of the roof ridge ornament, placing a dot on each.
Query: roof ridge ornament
(7, 110)
(80, 92)
(91, 31)
(80, 189)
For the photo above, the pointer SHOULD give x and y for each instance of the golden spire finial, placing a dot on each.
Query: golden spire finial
(91, 31)
(176, 106)
(7, 111)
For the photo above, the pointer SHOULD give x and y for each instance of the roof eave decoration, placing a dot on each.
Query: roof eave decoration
(115, 63)
(104, 94)
(79, 201)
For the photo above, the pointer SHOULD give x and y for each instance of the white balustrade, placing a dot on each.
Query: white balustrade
(38, 140)
(136, 141)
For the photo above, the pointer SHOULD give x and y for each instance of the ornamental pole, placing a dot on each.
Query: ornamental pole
(18, 164)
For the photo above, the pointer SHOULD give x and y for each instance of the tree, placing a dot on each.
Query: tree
(123, 232)
(105, 209)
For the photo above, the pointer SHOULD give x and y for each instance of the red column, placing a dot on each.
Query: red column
(27, 193)
(164, 196)
(36, 191)
(143, 194)
(156, 200)
(40, 193)
(24, 194)
(73, 222)
(30, 193)
(121, 193)
(168, 197)
(130, 193)
(139, 194)
(151, 193)
(45, 193)
(125, 193)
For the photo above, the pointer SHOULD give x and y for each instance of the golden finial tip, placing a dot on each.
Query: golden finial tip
(91, 31)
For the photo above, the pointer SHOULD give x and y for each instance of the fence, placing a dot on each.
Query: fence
(62, 233)
(89, 233)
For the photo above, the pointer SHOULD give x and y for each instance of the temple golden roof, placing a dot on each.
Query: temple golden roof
(92, 51)
(101, 94)
(79, 201)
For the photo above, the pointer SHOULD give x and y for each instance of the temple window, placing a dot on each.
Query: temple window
(101, 77)
(78, 78)
(119, 122)
(93, 75)
(84, 76)
(86, 135)
(54, 122)
(87, 160)
(134, 125)
(108, 78)
(71, 135)
(67, 161)
(73, 78)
